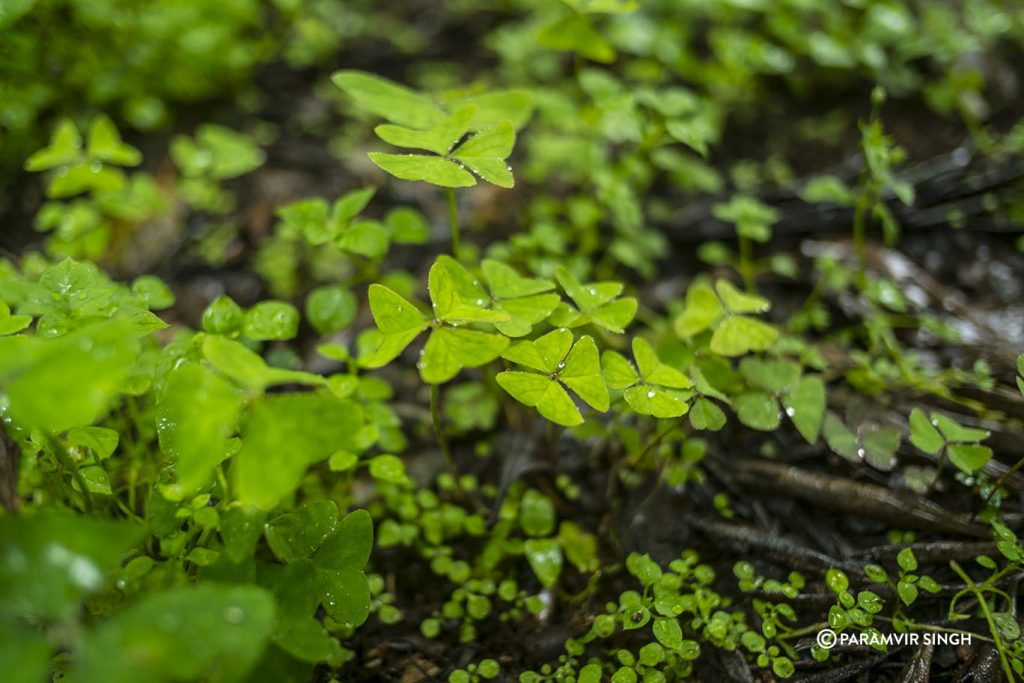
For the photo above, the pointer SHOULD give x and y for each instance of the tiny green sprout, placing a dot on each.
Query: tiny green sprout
(652, 387)
(942, 432)
(559, 363)
(89, 168)
(727, 310)
(753, 221)
(575, 32)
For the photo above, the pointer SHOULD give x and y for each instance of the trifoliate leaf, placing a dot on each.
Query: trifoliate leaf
(739, 334)
(434, 170)
(65, 148)
(105, 144)
(590, 296)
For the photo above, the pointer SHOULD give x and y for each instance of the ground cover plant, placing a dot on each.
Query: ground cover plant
(571, 341)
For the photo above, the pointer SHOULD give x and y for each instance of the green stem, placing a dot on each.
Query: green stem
(453, 216)
(442, 440)
(860, 240)
(973, 587)
(747, 263)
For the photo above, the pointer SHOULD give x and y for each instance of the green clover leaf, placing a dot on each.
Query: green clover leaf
(941, 431)
(725, 308)
(652, 388)
(576, 366)
(596, 302)
(457, 299)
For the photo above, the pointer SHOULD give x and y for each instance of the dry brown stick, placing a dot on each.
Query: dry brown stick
(852, 497)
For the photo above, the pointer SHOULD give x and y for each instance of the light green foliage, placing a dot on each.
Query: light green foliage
(961, 443)
(652, 388)
(419, 124)
(871, 443)
(196, 418)
(324, 560)
(753, 220)
(598, 303)
(222, 629)
(89, 167)
(457, 299)
(726, 310)
(87, 368)
(560, 363)
(524, 299)
(285, 433)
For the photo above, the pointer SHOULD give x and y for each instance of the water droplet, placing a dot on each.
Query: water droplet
(861, 453)
(790, 411)
(650, 394)
(234, 614)
(561, 364)
(96, 167)
(480, 302)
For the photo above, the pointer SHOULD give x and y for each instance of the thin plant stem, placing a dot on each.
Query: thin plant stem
(859, 240)
(453, 216)
(442, 440)
(983, 603)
